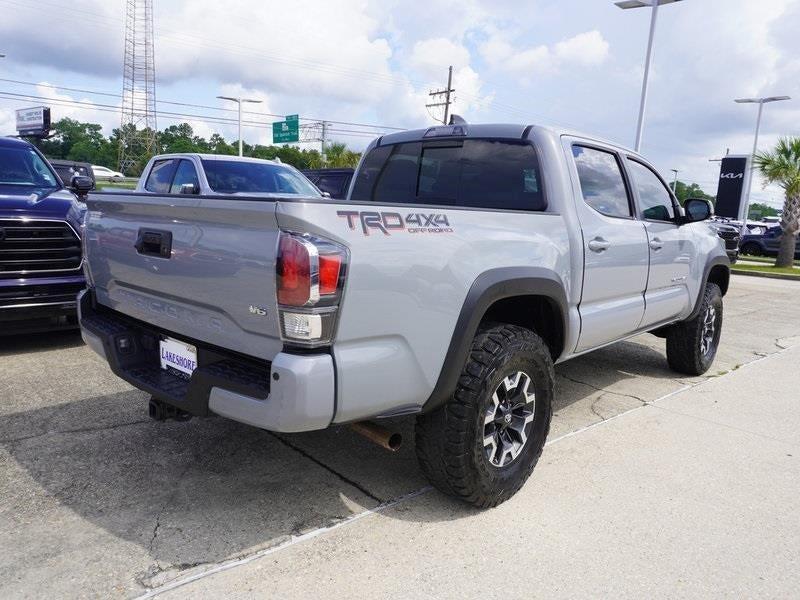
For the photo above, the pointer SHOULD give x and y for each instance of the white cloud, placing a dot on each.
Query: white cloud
(585, 49)
(429, 55)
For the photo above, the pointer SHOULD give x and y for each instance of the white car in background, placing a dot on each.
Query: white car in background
(106, 173)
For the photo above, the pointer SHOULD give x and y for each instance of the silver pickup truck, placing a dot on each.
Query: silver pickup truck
(466, 261)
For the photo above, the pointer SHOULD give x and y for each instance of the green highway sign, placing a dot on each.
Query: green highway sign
(287, 131)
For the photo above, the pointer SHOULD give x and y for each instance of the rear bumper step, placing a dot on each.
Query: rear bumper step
(293, 393)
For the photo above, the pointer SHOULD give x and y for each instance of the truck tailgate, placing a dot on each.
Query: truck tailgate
(204, 268)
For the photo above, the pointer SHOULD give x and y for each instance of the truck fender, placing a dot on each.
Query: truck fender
(489, 287)
(714, 261)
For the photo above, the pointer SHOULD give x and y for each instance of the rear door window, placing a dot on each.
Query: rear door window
(492, 174)
(160, 177)
(602, 184)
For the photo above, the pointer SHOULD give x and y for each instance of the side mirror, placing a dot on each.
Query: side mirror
(325, 194)
(697, 209)
(81, 184)
(189, 188)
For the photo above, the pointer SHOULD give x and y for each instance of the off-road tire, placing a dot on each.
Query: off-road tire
(449, 440)
(684, 353)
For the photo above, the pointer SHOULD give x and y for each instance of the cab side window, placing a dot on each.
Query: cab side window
(160, 177)
(186, 173)
(654, 197)
(602, 183)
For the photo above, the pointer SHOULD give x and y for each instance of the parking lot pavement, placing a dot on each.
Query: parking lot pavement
(96, 500)
(692, 496)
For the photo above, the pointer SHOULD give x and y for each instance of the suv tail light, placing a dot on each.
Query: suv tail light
(310, 278)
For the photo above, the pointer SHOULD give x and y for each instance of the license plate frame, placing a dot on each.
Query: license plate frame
(176, 356)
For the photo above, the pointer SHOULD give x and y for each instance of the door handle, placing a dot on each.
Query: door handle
(656, 244)
(598, 244)
(154, 243)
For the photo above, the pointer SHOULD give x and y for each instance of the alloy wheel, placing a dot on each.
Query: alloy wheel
(509, 419)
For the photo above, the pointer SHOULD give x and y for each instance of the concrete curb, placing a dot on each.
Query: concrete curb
(766, 275)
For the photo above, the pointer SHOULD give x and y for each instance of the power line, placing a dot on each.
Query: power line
(203, 106)
(177, 116)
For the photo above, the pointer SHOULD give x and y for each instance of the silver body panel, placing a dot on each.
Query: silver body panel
(404, 291)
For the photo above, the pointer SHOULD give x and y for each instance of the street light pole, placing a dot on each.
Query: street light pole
(654, 4)
(239, 102)
(761, 102)
(675, 182)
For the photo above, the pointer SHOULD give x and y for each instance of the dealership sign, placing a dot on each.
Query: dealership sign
(731, 190)
(33, 121)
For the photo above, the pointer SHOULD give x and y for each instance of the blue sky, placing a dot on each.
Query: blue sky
(576, 63)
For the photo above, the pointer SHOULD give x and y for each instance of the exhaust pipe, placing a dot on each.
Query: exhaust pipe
(379, 435)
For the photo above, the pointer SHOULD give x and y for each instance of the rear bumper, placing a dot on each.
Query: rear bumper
(292, 393)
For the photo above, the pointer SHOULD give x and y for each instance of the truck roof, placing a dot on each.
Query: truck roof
(490, 130)
(202, 156)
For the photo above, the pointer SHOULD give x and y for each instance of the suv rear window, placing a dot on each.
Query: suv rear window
(471, 173)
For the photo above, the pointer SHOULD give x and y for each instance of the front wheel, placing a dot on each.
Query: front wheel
(751, 248)
(482, 444)
(692, 345)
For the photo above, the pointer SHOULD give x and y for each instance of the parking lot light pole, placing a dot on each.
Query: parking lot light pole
(654, 4)
(239, 101)
(761, 102)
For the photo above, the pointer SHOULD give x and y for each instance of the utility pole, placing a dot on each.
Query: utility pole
(675, 181)
(322, 140)
(435, 94)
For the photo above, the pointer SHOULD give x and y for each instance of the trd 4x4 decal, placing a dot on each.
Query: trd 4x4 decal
(387, 222)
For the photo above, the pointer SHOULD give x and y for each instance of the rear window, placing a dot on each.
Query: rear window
(233, 177)
(471, 173)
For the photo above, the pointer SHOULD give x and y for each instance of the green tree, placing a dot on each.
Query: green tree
(337, 155)
(782, 166)
(684, 191)
(759, 211)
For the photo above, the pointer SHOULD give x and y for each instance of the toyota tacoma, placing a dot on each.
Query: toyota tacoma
(465, 262)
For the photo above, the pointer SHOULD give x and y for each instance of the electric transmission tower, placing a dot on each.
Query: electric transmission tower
(138, 128)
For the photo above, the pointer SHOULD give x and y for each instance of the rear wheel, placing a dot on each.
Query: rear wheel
(692, 345)
(482, 445)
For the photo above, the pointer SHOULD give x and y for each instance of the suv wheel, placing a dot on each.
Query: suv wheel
(750, 248)
(692, 345)
(482, 445)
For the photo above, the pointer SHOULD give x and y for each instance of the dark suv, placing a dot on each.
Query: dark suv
(767, 244)
(336, 182)
(40, 246)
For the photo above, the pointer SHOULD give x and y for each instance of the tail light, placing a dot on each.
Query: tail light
(310, 278)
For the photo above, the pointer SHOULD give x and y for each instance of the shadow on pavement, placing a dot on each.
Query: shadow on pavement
(209, 489)
(40, 342)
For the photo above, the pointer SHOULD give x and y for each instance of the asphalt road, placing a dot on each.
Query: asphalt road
(97, 500)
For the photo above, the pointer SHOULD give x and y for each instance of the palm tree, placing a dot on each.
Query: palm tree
(338, 155)
(782, 166)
